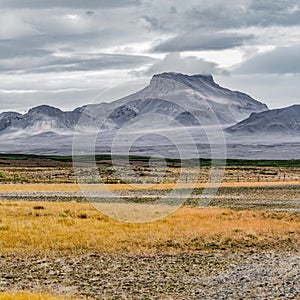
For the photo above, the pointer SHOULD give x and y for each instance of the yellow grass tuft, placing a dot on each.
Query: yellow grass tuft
(30, 296)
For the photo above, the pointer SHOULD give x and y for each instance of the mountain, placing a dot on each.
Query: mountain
(37, 120)
(7, 119)
(180, 97)
(147, 123)
(173, 97)
(283, 121)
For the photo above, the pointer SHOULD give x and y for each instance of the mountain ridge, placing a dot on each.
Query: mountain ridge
(184, 98)
(173, 110)
(280, 121)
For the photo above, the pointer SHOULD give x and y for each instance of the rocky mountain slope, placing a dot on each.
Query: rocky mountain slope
(38, 120)
(183, 99)
(283, 121)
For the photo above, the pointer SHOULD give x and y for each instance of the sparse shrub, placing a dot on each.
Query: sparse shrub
(38, 207)
(69, 213)
(211, 245)
(251, 236)
(229, 242)
(82, 216)
(173, 244)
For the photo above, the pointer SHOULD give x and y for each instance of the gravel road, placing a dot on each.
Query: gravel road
(197, 275)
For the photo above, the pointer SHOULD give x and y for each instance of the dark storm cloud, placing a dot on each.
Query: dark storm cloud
(203, 41)
(282, 60)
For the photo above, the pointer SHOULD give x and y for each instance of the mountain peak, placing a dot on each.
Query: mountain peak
(183, 78)
(45, 109)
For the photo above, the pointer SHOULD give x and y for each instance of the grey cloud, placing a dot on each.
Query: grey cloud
(216, 14)
(282, 60)
(173, 10)
(13, 49)
(244, 13)
(80, 30)
(90, 13)
(268, 12)
(65, 99)
(274, 90)
(68, 3)
(152, 23)
(80, 62)
(261, 5)
(197, 26)
(36, 33)
(203, 41)
(174, 62)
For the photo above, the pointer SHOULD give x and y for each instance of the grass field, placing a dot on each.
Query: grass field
(138, 187)
(28, 227)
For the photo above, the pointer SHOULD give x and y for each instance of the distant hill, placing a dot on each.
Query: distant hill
(38, 120)
(283, 121)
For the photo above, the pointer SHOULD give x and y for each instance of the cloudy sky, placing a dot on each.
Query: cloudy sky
(71, 52)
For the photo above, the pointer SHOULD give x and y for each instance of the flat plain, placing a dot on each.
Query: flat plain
(244, 244)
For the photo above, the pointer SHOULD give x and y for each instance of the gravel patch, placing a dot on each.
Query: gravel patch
(197, 275)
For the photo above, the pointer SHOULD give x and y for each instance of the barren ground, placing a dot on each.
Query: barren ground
(245, 245)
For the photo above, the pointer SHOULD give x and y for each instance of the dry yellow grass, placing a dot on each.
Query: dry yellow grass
(30, 296)
(119, 187)
(46, 227)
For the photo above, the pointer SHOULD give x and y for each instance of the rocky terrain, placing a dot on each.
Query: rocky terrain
(197, 275)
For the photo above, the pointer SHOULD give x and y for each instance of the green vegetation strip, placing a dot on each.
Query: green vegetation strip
(188, 162)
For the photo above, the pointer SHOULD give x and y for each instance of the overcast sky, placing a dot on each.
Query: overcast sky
(65, 52)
